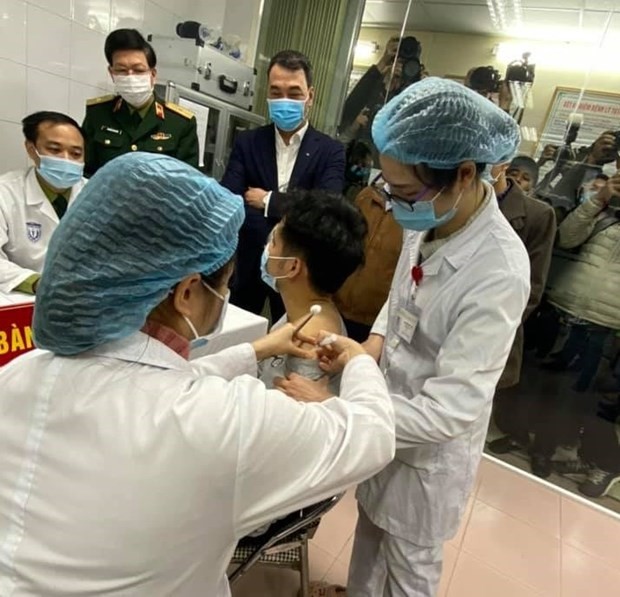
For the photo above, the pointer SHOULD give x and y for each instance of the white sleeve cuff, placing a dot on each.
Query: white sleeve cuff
(381, 323)
(267, 200)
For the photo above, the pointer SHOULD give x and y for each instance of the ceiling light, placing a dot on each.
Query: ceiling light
(502, 11)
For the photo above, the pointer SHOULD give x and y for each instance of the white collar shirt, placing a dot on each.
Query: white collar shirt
(286, 156)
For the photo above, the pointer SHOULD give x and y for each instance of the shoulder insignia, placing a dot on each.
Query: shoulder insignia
(180, 110)
(100, 100)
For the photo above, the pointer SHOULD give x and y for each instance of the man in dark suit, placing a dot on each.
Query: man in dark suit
(268, 161)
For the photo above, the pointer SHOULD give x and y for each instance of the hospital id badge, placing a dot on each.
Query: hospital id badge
(407, 324)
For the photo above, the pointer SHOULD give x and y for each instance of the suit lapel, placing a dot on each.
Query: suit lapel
(513, 207)
(304, 157)
(268, 158)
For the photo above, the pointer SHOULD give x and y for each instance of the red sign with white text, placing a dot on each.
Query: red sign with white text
(15, 331)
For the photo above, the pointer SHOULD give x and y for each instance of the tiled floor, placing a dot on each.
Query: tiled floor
(519, 538)
(521, 460)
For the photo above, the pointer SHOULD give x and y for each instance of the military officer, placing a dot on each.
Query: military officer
(134, 118)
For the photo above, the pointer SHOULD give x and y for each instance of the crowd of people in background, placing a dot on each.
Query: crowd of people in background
(324, 222)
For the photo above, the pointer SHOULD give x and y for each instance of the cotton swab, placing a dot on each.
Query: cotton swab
(314, 310)
(328, 340)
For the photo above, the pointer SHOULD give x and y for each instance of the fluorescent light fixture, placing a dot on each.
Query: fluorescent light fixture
(563, 56)
(504, 12)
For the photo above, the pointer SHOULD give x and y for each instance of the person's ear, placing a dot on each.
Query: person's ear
(310, 98)
(297, 269)
(467, 174)
(184, 294)
(31, 150)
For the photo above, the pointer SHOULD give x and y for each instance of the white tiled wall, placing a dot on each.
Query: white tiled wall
(51, 54)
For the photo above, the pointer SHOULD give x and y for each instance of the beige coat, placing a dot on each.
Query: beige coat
(587, 284)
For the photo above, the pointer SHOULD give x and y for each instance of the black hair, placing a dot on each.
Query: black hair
(30, 124)
(602, 176)
(215, 278)
(328, 233)
(357, 151)
(128, 39)
(439, 178)
(292, 60)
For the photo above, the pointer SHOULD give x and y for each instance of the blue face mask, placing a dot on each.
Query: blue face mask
(420, 215)
(360, 173)
(58, 172)
(287, 114)
(587, 195)
(200, 341)
(269, 279)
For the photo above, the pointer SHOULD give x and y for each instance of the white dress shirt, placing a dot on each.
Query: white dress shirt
(286, 156)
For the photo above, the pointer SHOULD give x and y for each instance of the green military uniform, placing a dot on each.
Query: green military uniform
(113, 128)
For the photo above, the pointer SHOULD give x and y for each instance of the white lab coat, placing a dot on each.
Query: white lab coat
(468, 307)
(27, 222)
(130, 471)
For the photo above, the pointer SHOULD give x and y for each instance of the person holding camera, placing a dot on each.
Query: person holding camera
(398, 68)
(487, 81)
(562, 186)
(585, 290)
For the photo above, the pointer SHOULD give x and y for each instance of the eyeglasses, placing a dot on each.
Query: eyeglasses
(408, 204)
(389, 196)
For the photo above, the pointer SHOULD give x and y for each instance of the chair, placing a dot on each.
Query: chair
(285, 544)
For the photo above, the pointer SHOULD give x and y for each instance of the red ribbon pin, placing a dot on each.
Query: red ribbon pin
(417, 274)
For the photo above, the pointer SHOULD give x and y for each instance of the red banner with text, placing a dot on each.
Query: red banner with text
(15, 331)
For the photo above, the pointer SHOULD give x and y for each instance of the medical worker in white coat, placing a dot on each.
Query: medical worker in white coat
(125, 469)
(445, 333)
(32, 201)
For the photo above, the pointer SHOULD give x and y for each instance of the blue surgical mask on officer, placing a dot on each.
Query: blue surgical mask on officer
(287, 114)
(421, 215)
(59, 172)
(200, 341)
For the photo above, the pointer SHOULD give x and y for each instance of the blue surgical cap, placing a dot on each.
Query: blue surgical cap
(140, 225)
(442, 124)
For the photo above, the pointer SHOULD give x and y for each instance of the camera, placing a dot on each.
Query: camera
(409, 53)
(194, 30)
(484, 80)
(617, 143)
(521, 71)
